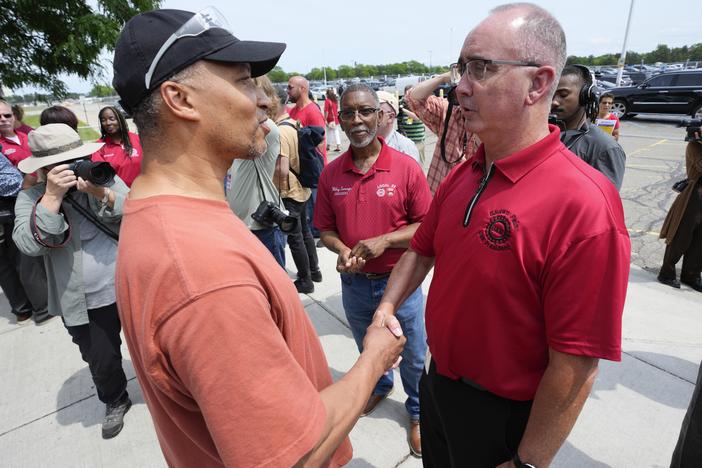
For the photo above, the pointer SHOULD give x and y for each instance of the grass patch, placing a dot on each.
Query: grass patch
(86, 133)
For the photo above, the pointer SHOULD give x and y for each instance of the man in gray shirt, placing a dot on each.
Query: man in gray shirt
(575, 103)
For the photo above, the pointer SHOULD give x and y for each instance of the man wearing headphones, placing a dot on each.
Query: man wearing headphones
(575, 103)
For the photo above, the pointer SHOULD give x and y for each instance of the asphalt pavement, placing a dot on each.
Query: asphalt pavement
(50, 415)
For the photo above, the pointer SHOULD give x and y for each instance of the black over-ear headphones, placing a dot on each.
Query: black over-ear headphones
(589, 92)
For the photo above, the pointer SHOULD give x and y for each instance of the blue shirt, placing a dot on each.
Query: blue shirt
(10, 178)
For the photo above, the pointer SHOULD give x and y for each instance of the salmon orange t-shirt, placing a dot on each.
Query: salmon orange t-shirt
(228, 361)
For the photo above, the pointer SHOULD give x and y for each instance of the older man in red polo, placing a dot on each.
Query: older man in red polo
(370, 202)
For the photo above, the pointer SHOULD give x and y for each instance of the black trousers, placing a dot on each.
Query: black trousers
(687, 242)
(99, 343)
(301, 242)
(466, 427)
(10, 274)
(688, 451)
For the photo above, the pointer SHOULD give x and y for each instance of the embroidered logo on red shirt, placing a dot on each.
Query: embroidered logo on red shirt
(499, 229)
(386, 190)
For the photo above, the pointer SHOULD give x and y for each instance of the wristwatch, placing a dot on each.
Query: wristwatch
(518, 463)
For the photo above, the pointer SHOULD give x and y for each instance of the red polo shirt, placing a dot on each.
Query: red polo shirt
(14, 151)
(392, 194)
(310, 115)
(543, 262)
(127, 166)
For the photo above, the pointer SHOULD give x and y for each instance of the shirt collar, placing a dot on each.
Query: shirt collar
(383, 163)
(517, 165)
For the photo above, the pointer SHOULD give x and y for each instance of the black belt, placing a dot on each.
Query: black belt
(470, 383)
(376, 276)
(465, 380)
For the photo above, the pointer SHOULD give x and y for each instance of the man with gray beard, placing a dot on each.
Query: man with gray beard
(370, 201)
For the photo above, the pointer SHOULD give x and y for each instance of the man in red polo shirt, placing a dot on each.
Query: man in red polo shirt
(370, 202)
(14, 144)
(531, 260)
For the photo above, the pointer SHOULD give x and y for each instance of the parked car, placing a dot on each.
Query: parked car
(678, 92)
(604, 85)
(626, 81)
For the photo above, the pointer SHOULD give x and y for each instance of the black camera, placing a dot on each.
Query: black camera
(554, 120)
(269, 214)
(693, 126)
(98, 173)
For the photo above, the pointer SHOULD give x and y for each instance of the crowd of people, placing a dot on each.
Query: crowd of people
(182, 248)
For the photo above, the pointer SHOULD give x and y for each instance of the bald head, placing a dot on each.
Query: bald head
(535, 34)
(298, 87)
(299, 81)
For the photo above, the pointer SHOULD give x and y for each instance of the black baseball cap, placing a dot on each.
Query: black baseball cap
(142, 38)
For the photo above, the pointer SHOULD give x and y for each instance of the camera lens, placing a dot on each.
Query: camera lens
(98, 173)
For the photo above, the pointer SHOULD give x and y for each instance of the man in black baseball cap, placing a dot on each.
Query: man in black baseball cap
(230, 366)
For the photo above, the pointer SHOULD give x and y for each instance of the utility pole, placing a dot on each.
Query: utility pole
(622, 57)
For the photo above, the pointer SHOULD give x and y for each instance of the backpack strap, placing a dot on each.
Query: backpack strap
(287, 123)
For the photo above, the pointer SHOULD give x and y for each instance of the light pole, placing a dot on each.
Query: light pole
(430, 61)
(622, 57)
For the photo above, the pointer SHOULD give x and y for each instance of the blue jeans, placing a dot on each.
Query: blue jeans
(274, 240)
(361, 297)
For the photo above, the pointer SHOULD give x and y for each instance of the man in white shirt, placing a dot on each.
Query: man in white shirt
(386, 126)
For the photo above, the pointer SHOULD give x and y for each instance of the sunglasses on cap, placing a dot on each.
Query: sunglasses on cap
(202, 21)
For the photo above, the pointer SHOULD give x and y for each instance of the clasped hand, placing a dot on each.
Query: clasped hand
(353, 260)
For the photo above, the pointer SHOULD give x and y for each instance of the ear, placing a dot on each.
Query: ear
(178, 99)
(540, 87)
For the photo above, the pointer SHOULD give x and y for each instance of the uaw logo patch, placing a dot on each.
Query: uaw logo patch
(499, 230)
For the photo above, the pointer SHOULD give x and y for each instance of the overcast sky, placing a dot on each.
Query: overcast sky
(385, 31)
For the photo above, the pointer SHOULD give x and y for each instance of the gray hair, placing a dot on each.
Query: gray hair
(147, 114)
(360, 87)
(541, 37)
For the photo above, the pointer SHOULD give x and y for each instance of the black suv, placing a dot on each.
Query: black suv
(678, 92)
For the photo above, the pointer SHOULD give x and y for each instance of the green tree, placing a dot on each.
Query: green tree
(42, 40)
(277, 75)
(345, 71)
(102, 90)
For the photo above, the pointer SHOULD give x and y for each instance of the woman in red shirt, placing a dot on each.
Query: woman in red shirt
(122, 148)
(331, 115)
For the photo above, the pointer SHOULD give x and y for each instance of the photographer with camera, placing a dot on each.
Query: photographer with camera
(253, 196)
(682, 228)
(72, 223)
(455, 144)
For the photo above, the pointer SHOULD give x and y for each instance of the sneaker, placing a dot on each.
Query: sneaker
(23, 318)
(316, 276)
(304, 286)
(114, 417)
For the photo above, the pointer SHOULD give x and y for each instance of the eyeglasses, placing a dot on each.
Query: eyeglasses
(7, 116)
(350, 114)
(204, 20)
(477, 68)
